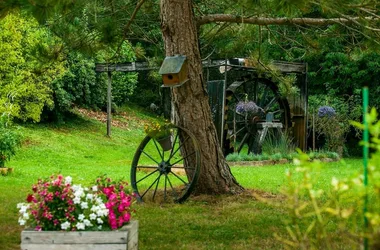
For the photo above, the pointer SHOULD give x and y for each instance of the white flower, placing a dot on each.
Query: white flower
(86, 189)
(80, 226)
(84, 205)
(95, 208)
(344, 187)
(68, 180)
(89, 196)
(25, 216)
(65, 225)
(21, 221)
(296, 162)
(100, 227)
(23, 208)
(99, 221)
(102, 212)
(335, 183)
(87, 223)
(76, 200)
(19, 205)
(92, 216)
(99, 200)
(79, 193)
(95, 188)
(76, 187)
(81, 217)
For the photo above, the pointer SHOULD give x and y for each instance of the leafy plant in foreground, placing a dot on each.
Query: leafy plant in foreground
(332, 219)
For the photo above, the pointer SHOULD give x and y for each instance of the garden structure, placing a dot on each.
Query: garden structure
(245, 106)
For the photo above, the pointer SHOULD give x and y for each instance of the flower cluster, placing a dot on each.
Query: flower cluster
(326, 111)
(158, 130)
(248, 107)
(57, 204)
(118, 201)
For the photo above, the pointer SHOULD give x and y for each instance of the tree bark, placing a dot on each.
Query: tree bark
(190, 103)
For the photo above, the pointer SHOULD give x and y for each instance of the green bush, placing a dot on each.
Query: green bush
(10, 140)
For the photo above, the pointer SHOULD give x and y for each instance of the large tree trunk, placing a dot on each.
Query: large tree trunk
(191, 108)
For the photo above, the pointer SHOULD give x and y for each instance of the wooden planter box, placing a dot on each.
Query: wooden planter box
(122, 239)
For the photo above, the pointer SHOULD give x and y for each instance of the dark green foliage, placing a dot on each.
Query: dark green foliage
(10, 140)
(79, 85)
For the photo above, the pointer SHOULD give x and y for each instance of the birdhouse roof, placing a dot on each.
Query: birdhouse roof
(172, 64)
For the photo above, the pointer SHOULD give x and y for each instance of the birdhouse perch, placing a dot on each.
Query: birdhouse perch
(174, 71)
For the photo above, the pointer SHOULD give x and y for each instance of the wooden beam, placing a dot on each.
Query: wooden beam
(284, 67)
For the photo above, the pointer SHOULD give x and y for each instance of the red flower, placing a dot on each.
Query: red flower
(30, 198)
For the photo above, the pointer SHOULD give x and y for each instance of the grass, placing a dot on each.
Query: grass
(79, 148)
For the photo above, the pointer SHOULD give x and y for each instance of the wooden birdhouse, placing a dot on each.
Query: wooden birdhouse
(174, 71)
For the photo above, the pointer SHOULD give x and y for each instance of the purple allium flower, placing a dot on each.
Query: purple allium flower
(326, 111)
(248, 107)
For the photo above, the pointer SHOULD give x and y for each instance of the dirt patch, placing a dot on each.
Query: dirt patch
(120, 120)
(246, 196)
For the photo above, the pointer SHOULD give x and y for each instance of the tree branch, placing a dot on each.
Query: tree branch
(274, 21)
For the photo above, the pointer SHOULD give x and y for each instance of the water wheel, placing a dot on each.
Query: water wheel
(167, 170)
(245, 129)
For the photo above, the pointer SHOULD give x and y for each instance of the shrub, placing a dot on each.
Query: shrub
(10, 140)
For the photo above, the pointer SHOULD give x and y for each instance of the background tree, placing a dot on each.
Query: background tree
(25, 75)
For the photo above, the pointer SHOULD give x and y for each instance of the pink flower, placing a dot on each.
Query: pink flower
(108, 190)
(126, 217)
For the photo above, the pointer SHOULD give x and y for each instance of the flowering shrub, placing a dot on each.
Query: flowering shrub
(326, 111)
(248, 107)
(158, 130)
(58, 204)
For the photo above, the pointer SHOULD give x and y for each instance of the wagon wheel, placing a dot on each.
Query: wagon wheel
(166, 174)
(241, 130)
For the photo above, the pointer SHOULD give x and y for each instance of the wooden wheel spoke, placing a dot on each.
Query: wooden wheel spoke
(150, 157)
(166, 180)
(269, 105)
(241, 145)
(147, 176)
(174, 192)
(146, 191)
(146, 167)
(171, 151)
(237, 132)
(179, 178)
(155, 190)
(183, 167)
(178, 148)
(184, 158)
(158, 149)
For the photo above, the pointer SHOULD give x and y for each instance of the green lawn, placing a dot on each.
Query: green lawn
(80, 149)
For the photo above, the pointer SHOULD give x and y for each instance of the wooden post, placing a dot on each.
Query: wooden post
(109, 103)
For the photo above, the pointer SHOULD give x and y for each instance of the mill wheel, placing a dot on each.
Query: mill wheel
(244, 129)
(166, 172)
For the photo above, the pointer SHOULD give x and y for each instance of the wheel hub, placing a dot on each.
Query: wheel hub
(164, 167)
